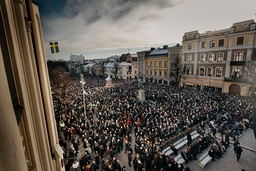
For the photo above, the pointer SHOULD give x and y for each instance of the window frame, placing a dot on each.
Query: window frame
(203, 45)
(202, 58)
(160, 64)
(216, 71)
(189, 57)
(189, 46)
(222, 56)
(234, 71)
(160, 73)
(237, 41)
(165, 73)
(212, 71)
(212, 44)
(190, 69)
(212, 57)
(155, 63)
(165, 64)
(219, 42)
(235, 57)
(200, 71)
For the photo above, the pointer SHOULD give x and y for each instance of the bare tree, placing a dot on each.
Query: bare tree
(251, 80)
(116, 69)
(178, 72)
(103, 69)
(60, 79)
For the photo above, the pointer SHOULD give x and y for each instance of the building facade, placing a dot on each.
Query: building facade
(216, 60)
(79, 59)
(160, 65)
(29, 138)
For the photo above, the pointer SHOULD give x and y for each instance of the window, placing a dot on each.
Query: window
(146, 63)
(155, 72)
(238, 56)
(155, 63)
(203, 45)
(165, 64)
(220, 57)
(150, 63)
(211, 57)
(172, 65)
(189, 46)
(210, 71)
(236, 72)
(147, 72)
(218, 72)
(189, 58)
(151, 72)
(188, 71)
(160, 72)
(212, 44)
(160, 64)
(201, 71)
(165, 73)
(221, 42)
(203, 57)
(240, 40)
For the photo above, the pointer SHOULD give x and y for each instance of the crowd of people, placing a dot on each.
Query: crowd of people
(114, 121)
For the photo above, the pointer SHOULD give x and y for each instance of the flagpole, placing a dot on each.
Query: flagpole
(54, 40)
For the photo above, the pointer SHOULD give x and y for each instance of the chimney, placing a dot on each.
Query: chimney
(152, 48)
(177, 45)
(165, 46)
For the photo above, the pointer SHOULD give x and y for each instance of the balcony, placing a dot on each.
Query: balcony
(240, 63)
(235, 79)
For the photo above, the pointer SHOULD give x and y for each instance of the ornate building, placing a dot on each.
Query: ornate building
(216, 60)
(28, 134)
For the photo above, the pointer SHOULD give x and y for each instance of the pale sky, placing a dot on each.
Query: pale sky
(102, 28)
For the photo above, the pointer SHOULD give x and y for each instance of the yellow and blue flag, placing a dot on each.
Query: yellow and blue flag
(54, 47)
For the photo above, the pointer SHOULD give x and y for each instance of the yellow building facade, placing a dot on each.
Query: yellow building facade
(28, 134)
(159, 65)
(216, 60)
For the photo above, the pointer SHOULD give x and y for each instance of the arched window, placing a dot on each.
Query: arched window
(220, 57)
(201, 71)
(203, 58)
(211, 57)
(238, 56)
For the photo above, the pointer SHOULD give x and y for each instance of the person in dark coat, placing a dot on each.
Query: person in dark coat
(184, 156)
(129, 158)
(189, 139)
(140, 166)
(175, 151)
(211, 153)
(239, 151)
(135, 164)
(235, 145)
(148, 162)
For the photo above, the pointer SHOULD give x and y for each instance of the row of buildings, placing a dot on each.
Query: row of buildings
(220, 60)
(121, 67)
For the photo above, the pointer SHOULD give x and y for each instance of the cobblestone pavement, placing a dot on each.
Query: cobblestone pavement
(227, 163)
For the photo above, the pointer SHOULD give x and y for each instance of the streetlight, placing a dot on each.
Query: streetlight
(83, 83)
(210, 73)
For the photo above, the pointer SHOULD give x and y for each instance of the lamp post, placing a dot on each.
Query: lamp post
(210, 70)
(83, 83)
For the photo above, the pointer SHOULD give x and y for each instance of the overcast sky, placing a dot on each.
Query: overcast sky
(102, 28)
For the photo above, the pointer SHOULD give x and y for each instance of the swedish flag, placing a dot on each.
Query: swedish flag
(54, 47)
